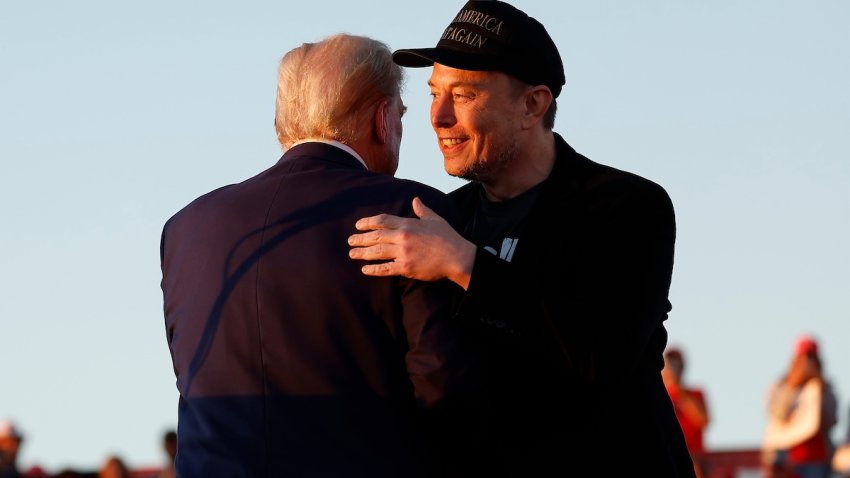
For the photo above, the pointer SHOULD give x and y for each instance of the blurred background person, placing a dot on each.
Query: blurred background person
(801, 409)
(169, 445)
(690, 404)
(10, 443)
(113, 467)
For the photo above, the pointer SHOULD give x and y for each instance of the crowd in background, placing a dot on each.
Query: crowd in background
(801, 408)
(113, 466)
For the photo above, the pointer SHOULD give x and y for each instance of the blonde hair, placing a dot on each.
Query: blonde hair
(327, 89)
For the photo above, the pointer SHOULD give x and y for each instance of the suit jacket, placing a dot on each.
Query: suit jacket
(289, 361)
(572, 328)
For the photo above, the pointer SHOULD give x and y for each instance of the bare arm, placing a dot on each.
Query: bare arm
(803, 422)
(427, 248)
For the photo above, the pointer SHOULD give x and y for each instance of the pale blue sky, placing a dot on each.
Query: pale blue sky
(113, 115)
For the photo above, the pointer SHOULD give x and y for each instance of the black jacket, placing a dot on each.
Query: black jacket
(572, 328)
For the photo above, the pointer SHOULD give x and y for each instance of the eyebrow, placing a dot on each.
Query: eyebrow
(468, 83)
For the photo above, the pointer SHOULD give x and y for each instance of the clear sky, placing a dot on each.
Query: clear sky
(113, 115)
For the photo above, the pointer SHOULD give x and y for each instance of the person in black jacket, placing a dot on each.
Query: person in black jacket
(565, 263)
(289, 361)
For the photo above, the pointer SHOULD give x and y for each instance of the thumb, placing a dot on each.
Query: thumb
(421, 210)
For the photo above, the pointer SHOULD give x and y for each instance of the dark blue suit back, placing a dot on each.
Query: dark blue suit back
(289, 361)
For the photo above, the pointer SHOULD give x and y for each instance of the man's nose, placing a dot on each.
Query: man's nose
(442, 113)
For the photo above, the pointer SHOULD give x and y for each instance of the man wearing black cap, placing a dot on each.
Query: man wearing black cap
(565, 263)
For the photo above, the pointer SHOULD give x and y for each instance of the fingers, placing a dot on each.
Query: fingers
(419, 207)
(424, 212)
(381, 221)
(378, 270)
(368, 223)
(421, 210)
(365, 239)
(374, 252)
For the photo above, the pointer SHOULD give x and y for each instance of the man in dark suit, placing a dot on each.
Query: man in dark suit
(289, 361)
(566, 263)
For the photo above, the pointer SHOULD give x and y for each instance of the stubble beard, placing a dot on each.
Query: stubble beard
(486, 170)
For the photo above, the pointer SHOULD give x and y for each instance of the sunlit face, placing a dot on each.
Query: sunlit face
(476, 116)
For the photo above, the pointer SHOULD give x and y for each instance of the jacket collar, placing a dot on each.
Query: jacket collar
(322, 151)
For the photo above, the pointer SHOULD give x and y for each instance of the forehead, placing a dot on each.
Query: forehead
(446, 76)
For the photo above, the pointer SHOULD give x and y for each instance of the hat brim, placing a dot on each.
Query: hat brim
(422, 57)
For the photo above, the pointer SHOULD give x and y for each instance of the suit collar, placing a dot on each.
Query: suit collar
(348, 149)
(324, 150)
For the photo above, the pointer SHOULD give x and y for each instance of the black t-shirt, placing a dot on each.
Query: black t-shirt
(497, 226)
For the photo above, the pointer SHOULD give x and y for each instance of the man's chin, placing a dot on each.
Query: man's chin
(455, 168)
(463, 171)
(466, 175)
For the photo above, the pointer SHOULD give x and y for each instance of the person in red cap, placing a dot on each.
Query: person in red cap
(563, 265)
(801, 409)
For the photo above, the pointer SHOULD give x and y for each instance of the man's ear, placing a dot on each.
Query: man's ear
(537, 101)
(381, 117)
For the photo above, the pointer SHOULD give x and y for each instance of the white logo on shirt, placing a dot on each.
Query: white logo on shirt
(508, 248)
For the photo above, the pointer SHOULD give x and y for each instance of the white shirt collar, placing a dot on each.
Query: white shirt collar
(332, 142)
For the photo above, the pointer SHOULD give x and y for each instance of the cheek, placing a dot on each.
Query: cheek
(484, 120)
(487, 129)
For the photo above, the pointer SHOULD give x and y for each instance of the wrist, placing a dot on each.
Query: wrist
(462, 273)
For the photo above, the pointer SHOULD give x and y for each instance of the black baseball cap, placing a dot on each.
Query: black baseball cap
(489, 35)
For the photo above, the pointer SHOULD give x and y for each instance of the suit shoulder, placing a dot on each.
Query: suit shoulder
(574, 166)
(608, 179)
(639, 183)
(200, 203)
(435, 199)
(420, 187)
(602, 187)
